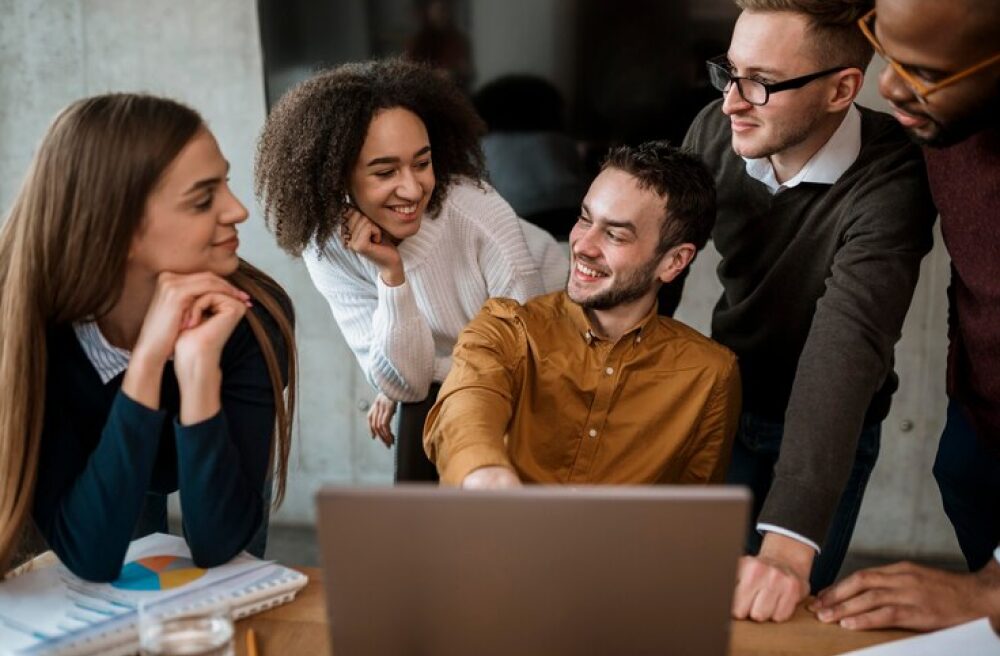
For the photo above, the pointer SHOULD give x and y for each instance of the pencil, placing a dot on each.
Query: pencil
(251, 643)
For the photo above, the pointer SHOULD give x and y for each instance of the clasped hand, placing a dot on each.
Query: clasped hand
(361, 235)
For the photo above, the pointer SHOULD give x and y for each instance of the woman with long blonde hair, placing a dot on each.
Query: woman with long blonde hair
(139, 354)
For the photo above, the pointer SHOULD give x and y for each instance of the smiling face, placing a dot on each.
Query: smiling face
(393, 178)
(614, 242)
(912, 33)
(771, 47)
(190, 219)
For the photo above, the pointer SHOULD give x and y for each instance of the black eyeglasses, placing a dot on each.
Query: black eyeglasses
(753, 91)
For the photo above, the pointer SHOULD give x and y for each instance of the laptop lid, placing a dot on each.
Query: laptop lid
(539, 570)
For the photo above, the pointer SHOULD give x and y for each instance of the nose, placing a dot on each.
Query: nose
(234, 212)
(409, 187)
(893, 87)
(732, 101)
(584, 242)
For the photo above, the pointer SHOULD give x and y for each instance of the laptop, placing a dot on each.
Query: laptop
(550, 571)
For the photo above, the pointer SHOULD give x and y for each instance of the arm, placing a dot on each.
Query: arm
(714, 439)
(910, 596)
(222, 460)
(382, 325)
(848, 352)
(465, 429)
(87, 501)
(91, 490)
(504, 257)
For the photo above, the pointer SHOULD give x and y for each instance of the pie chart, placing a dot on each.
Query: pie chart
(157, 573)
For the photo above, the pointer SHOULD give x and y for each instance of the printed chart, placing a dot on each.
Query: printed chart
(157, 573)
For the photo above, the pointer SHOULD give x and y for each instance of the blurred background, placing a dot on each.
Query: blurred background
(557, 81)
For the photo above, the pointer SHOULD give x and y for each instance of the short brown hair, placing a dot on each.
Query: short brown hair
(833, 23)
(680, 177)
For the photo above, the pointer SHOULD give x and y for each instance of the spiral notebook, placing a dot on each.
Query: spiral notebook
(50, 612)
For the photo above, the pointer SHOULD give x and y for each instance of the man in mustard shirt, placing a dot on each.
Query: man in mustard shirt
(590, 385)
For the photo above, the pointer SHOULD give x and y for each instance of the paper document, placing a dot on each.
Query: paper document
(973, 639)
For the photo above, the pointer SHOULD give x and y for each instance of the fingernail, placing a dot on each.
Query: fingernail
(847, 623)
(825, 615)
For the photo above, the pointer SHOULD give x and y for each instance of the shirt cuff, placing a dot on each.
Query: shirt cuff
(996, 554)
(771, 528)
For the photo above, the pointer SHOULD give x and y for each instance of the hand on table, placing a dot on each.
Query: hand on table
(910, 596)
(771, 584)
(361, 235)
(380, 419)
(491, 478)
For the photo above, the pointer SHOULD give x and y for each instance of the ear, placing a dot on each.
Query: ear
(847, 86)
(674, 261)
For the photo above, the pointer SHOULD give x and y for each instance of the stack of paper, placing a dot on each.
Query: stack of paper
(51, 611)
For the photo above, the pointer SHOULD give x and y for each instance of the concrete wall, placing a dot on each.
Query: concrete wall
(208, 55)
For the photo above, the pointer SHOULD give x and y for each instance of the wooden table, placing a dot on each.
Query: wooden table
(300, 628)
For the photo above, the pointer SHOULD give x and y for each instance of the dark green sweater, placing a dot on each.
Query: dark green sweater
(817, 280)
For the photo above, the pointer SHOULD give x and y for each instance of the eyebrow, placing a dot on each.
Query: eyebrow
(207, 182)
(395, 160)
(755, 69)
(627, 225)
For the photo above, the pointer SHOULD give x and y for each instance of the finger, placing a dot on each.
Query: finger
(788, 601)
(745, 587)
(882, 618)
(185, 287)
(852, 586)
(764, 603)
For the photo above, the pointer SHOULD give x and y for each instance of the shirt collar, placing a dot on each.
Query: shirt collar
(108, 360)
(583, 326)
(825, 166)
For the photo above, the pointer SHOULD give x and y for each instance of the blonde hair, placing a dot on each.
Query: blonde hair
(63, 250)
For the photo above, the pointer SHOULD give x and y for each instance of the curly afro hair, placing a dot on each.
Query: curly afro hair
(313, 137)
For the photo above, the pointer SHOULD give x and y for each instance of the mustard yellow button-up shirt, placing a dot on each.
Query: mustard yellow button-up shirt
(532, 388)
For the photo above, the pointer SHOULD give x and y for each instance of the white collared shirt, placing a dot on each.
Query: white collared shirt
(108, 360)
(825, 166)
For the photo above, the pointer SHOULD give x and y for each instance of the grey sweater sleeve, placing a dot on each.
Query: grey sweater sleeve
(849, 348)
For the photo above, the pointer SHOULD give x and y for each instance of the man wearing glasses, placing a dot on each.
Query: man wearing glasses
(824, 216)
(943, 81)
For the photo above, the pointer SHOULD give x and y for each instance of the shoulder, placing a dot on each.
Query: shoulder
(539, 311)
(478, 204)
(884, 143)
(889, 178)
(690, 349)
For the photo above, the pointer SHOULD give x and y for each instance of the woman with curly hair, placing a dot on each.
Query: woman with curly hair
(139, 355)
(374, 173)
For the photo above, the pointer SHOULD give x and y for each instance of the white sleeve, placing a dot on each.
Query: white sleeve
(551, 258)
(504, 258)
(382, 325)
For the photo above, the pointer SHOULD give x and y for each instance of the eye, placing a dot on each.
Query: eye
(614, 237)
(925, 74)
(421, 165)
(583, 220)
(384, 174)
(204, 204)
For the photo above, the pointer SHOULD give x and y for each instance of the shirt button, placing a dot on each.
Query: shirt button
(609, 370)
(638, 339)
(593, 432)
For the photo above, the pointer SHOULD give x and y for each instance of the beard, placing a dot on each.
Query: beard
(785, 134)
(632, 285)
(959, 129)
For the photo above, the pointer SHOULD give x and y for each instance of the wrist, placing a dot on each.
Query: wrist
(989, 579)
(794, 554)
(392, 276)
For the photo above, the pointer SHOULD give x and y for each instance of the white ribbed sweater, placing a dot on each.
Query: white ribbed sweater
(474, 249)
